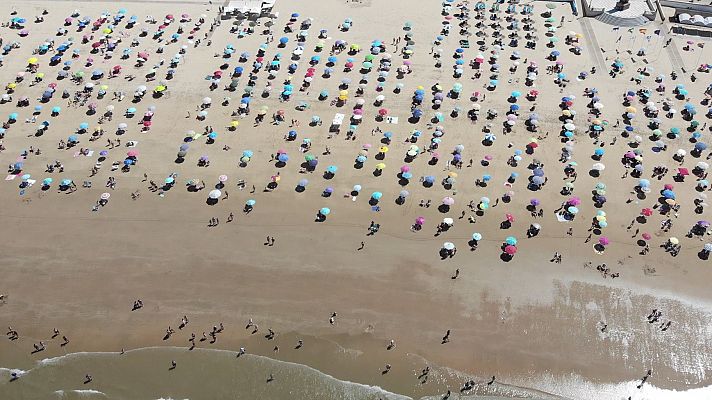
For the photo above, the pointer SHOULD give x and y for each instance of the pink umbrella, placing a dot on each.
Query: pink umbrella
(367, 146)
(404, 168)
(435, 155)
(96, 45)
(358, 111)
(574, 201)
(383, 112)
(669, 186)
(146, 123)
(419, 221)
(222, 178)
(646, 236)
(68, 20)
(448, 201)
(511, 250)
(488, 157)
(603, 241)
(143, 55)
(647, 212)
(407, 62)
(509, 217)
(24, 32)
(132, 153)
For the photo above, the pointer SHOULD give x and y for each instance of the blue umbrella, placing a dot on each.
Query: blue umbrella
(247, 153)
(629, 128)
(303, 183)
(325, 211)
(429, 179)
(406, 175)
(644, 183)
(47, 181)
(169, 180)
(361, 159)
(17, 166)
(250, 202)
(283, 158)
(376, 195)
(213, 135)
(700, 146)
(486, 178)
(459, 50)
(332, 169)
(84, 125)
(73, 138)
(538, 172)
(599, 151)
(283, 40)
(668, 194)
(65, 182)
(511, 240)
(417, 113)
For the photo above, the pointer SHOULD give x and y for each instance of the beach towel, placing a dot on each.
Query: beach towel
(10, 177)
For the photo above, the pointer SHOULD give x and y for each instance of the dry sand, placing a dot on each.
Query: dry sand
(529, 322)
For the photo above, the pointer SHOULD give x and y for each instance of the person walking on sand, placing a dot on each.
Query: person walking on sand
(457, 273)
(230, 217)
(362, 246)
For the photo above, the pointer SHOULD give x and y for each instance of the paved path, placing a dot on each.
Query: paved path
(593, 48)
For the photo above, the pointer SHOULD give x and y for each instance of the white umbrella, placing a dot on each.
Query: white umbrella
(598, 167)
(214, 194)
(448, 221)
(448, 246)
(207, 100)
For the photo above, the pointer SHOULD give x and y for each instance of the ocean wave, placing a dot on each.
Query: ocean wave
(81, 392)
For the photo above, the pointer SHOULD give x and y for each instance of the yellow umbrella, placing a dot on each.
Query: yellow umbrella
(107, 30)
(533, 140)
(234, 124)
(674, 240)
(596, 121)
(32, 61)
(11, 85)
(452, 174)
(566, 113)
(420, 87)
(104, 87)
(383, 149)
(380, 166)
(39, 75)
(160, 88)
(631, 109)
(600, 218)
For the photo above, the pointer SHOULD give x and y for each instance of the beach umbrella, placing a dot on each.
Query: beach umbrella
(403, 194)
(325, 211)
(448, 201)
(604, 241)
(510, 250)
(511, 240)
(573, 210)
(250, 203)
(303, 183)
(448, 246)
(357, 188)
(47, 181)
(674, 240)
(332, 169)
(376, 195)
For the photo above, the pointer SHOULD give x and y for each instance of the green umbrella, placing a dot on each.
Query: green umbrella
(309, 157)
(369, 57)
(550, 6)
(550, 20)
(553, 39)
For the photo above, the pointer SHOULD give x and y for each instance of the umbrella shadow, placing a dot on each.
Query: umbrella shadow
(444, 208)
(506, 257)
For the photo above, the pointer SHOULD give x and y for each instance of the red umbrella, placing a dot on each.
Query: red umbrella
(383, 112)
(511, 250)
(647, 212)
(533, 145)
(683, 171)
(509, 217)
(52, 85)
(117, 68)
(96, 45)
(668, 186)
(169, 16)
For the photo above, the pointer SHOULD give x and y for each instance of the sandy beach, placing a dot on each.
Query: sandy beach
(77, 260)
